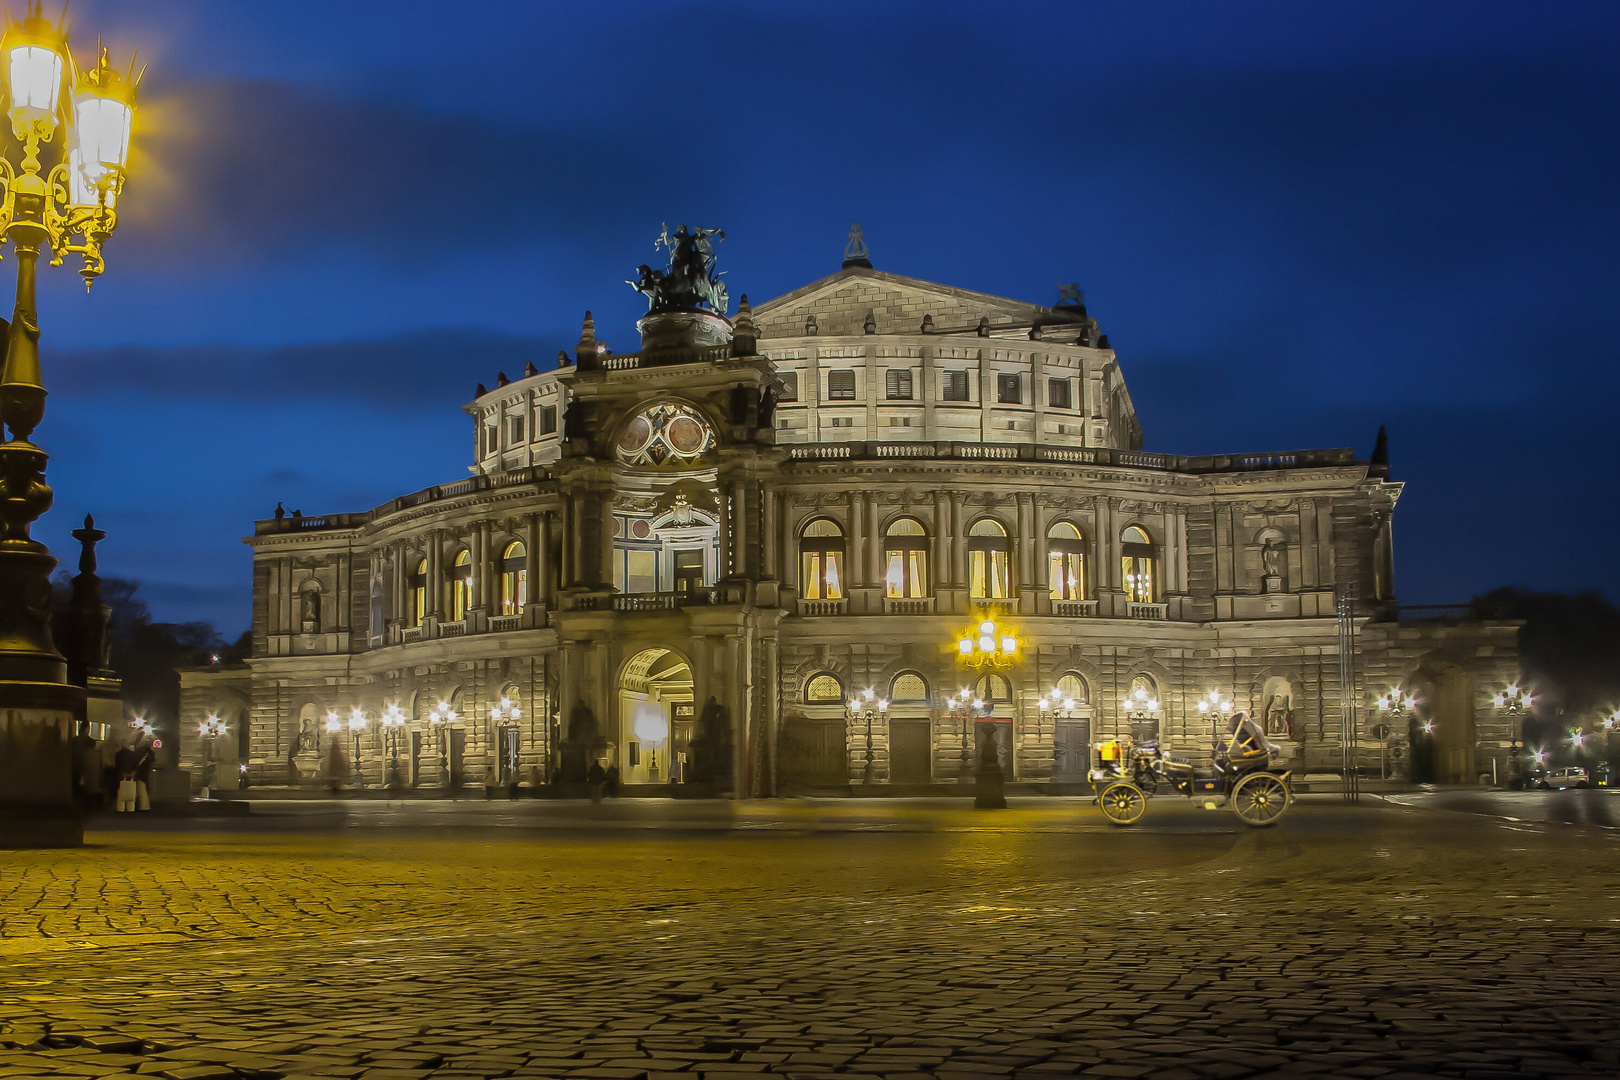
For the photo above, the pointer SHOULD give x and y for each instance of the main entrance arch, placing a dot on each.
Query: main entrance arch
(656, 717)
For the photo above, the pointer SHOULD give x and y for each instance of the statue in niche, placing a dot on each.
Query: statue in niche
(310, 617)
(711, 745)
(1271, 563)
(690, 283)
(308, 735)
(1278, 711)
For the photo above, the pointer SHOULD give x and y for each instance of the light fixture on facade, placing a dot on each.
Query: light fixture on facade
(1397, 703)
(1140, 704)
(988, 645)
(1512, 700)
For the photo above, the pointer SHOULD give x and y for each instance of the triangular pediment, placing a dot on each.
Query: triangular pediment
(840, 304)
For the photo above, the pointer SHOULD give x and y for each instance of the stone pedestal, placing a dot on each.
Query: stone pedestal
(675, 331)
(37, 809)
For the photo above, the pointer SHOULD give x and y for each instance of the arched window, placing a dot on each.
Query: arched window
(905, 549)
(416, 594)
(908, 686)
(823, 689)
(1143, 696)
(989, 559)
(997, 693)
(460, 586)
(1072, 687)
(1139, 566)
(821, 548)
(1066, 562)
(514, 577)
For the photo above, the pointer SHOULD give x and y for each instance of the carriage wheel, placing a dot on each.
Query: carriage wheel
(1122, 802)
(1259, 799)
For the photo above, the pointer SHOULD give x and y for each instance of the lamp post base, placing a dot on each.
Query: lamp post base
(37, 721)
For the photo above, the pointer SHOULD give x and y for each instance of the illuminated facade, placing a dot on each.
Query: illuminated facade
(686, 560)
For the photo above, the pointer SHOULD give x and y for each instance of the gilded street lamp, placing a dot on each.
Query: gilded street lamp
(69, 207)
(866, 706)
(500, 714)
(1216, 706)
(987, 646)
(392, 721)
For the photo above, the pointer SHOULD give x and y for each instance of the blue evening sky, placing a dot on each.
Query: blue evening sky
(1295, 222)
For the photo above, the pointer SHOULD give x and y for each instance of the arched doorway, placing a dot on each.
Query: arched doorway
(656, 717)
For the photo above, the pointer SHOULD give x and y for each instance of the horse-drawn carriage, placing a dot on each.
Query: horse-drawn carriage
(1129, 773)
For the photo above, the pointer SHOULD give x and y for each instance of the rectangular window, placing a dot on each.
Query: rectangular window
(688, 570)
(956, 386)
(899, 421)
(548, 419)
(840, 386)
(492, 436)
(988, 576)
(637, 572)
(843, 421)
(1008, 389)
(897, 384)
(1057, 394)
(514, 430)
(823, 575)
(790, 385)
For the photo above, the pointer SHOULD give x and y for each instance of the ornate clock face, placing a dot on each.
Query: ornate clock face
(665, 435)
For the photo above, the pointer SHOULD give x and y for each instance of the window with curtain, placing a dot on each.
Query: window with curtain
(416, 598)
(905, 551)
(1065, 562)
(514, 577)
(989, 561)
(460, 584)
(841, 385)
(1139, 566)
(821, 553)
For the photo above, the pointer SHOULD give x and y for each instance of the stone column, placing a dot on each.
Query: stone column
(537, 559)
(604, 517)
(769, 542)
(741, 532)
(772, 692)
(435, 583)
(872, 552)
(939, 559)
(723, 516)
(959, 555)
(855, 562)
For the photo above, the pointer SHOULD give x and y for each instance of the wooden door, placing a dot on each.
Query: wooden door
(910, 752)
(1071, 751)
(812, 753)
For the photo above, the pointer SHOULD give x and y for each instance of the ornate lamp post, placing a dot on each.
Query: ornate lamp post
(988, 645)
(1217, 706)
(1140, 707)
(392, 720)
(867, 706)
(357, 726)
(68, 207)
(501, 714)
(441, 718)
(211, 729)
(964, 708)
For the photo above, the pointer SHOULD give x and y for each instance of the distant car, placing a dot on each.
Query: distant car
(1572, 776)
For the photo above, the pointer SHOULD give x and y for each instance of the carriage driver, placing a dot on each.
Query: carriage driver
(1243, 746)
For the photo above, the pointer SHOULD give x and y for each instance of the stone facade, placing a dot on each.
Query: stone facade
(683, 562)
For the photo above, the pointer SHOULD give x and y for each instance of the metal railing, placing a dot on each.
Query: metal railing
(1136, 459)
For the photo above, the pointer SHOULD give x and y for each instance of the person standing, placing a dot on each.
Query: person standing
(596, 777)
(492, 781)
(124, 765)
(146, 758)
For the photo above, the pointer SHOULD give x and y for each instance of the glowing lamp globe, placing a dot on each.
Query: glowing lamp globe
(649, 725)
(34, 53)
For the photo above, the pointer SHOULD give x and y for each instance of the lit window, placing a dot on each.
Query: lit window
(822, 689)
(460, 586)
(841, 385)
(908, 686)
(514, 577)
(821, 550)
(993, 688)
(989, 559)
(1066, 562)
(416, 599)
(1139, 566)
(1071, 687)
(905, 549)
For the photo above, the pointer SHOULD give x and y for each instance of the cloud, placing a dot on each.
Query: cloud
(434, 369)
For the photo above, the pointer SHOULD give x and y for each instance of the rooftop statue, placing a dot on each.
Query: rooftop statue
(691, 282)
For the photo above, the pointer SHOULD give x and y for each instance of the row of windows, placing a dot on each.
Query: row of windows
(514, 578)
(825, 688)
(906, 551)
(545, 423)
(898, 386)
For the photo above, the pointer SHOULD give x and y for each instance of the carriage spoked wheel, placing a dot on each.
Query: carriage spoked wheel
(1122, 802)
(1259, 799)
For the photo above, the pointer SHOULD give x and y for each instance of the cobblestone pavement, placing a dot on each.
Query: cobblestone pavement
(907, 942)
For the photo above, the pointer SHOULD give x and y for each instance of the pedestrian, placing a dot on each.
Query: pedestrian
(124, 763)
(492, 781)
(611, 782)
(535, 779)
(595, 776)
(145, 759)
(337, 768)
